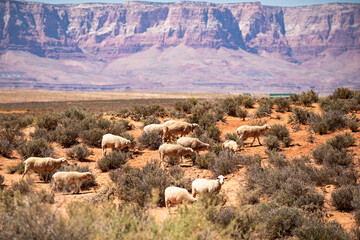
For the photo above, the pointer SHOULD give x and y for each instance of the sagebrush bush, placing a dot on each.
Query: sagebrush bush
(229, 105)
(282, 105)
(272, 142)
(337, 105)
(93, 137)
(205, 161)
(113, 160)
(2, 179)
(326, 154)
(308, 98)
(19, 168)
(342, 198)
(151, 120)
(79, 152)
(341, 141)
(334, 120)
(241, 113)
(141, 112)
(185, 106)
(43, 133)
(6, 148)
(299, 115)
(234, 137)
(343, 93)
(36, 148)
(248, 102)
(150, 140)
(281, 132)
(75, 113)
(226, 162)
(264, 108)
(353, 125)
(66, 136)
(48, 121)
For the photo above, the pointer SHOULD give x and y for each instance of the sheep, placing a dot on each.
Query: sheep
(158, 128)
(247, 131)
(113, 141)
(207, 186)
(193, 143)
(177, 195)
(230, 145)
(67, 178)
(178, 128)
(173, 150)
(46, 164)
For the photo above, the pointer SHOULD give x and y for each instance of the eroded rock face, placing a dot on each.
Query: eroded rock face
(110, 31)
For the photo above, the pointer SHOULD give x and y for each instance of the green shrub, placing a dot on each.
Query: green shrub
(299, 115)
(342, 198)
(151, 120)
(185, 106)
(272, 142)
(241, 113)
(24, 186)
(334, 120)
(280, 131)
(141, 112)
(112, 161)
(308, 98)
(150, 140)
(326, 154)
(92, 137)
(79, 152)
(66, 136)
(337, 105)
(20, 168)
(48, 121)
(36, 148)
(343, 93)
(341, 141)
(230, 105)
(248, 102)
(226, 162)
(234, 137)
(43, 133)
(205, 161)
(75, 113)
(282, 105)
(264, 108)
(353, 125)
(6, 148)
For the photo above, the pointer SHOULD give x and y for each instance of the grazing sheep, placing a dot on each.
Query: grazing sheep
(67, 178)
(207, 186)
(252, 131)
(172, 128)
(193, 143)
(46, 164)
(230, 145)
(113, 141)
(158, 128)
(173, 150)
(177, 195)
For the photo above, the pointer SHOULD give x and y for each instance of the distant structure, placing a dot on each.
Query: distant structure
(278, 95)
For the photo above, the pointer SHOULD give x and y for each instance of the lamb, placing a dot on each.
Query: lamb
(177, 195)
(113, 141)
(193, 143)
(207, 186)
(172, 128)
(46, 164)
(67, 178)
(247, 131)
(173, 150)
(230, 145)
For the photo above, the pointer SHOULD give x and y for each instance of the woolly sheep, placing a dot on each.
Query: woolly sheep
(207, 186)
(113, 141)
(230, 145)
(157, 128)
(193, 143)
(177, 195)
(172, 128)
(173, 150)
(67, 178)
(252, 131)
(46, 164)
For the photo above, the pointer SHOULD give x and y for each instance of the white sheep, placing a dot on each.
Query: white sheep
(157, 128)
(207, 186)
(173, 150)
(46, 164)
(230, 145)
(177, 195)
(172, 128)
(193, 143)
(252, 131)
(113, 141)
(67, 178)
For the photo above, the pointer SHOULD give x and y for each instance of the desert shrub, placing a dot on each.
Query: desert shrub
(66, 136)
(277, 159)
(318, 124)
(219, 114)
(225, 215)
(75, 113)
(299, 115)
(226, 162)
(342, 198)
(229, 105)
(248, 102)
(308, 98)
(282, 105)
(185, 106)
(326, 154)
(343, 93)
(338, 105)
(92, 137)
(6, 148)
(334, 120)
(294, 98)
(36, 148)
(2, 179)
(264, 108)
(150, 140)
(24, 186)
(177, 114)
(213, 132)
(20, 168)
(151, 120)
(112, 161)
(43, 133)
(48, 121)
(341, 141)
(140, 112)
(311, 138)
(103, 123)
(205, 161)
(272, 142)
(280, 131)
(311, 202)
(234, 137)
(353, 125)
(144, 186)
(79, 152)
(241, 113)
(120, 127)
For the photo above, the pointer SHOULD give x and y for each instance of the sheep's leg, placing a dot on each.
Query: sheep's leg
(253, 142)
(25, 172)
(47, 175)
(259, 141)
(103, 151)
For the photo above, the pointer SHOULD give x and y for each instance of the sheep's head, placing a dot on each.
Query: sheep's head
(64, 161)
(221, 179)
(88, 175)
(267, 127)
(128, 143)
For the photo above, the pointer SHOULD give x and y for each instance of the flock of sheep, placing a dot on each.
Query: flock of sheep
(168, 131)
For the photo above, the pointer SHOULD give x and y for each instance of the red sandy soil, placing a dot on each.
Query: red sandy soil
(232, 185)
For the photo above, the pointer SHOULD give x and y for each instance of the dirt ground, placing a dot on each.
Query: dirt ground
(232, 185)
